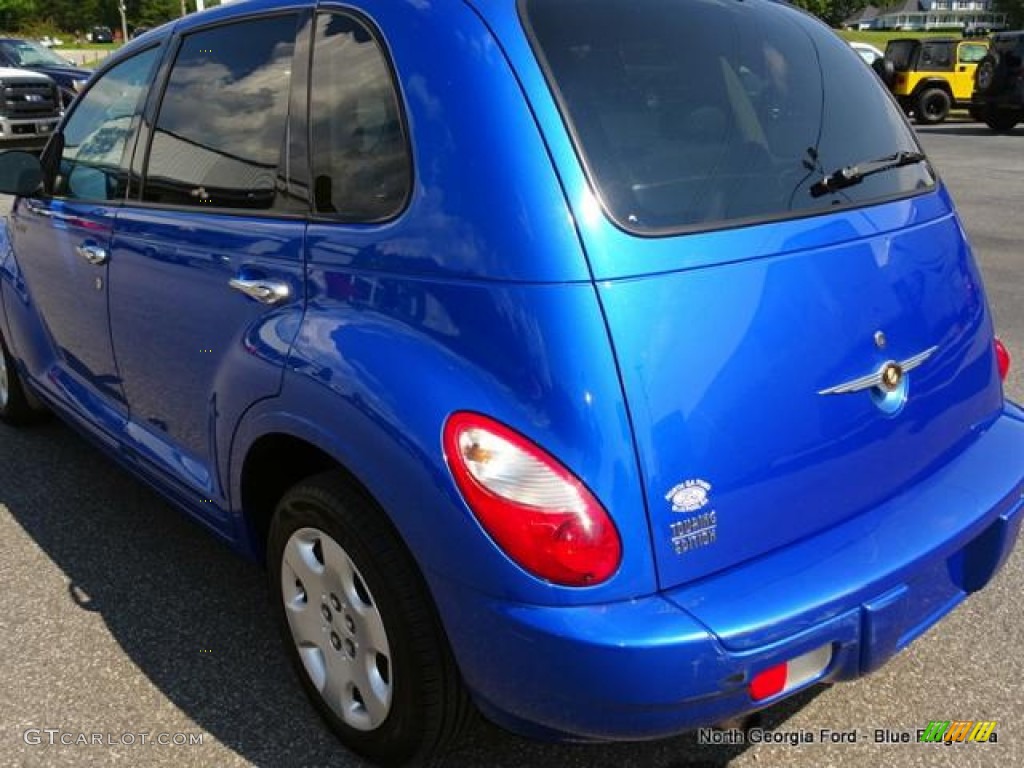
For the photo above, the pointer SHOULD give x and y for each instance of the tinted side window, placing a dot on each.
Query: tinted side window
(361, 164)
(936, 56)
(222, 124)
(92, 165)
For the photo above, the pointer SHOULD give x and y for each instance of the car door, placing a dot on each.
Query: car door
(62, 245)
(968, 56)
(206, 261)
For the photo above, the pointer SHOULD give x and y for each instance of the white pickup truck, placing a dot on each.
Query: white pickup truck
(30, 109)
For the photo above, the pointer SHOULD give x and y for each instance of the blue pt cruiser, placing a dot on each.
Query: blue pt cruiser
(612, 367)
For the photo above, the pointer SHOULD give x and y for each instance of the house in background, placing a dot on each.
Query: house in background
(919, 15)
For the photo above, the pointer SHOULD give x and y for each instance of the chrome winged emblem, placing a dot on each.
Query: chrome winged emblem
(887, 378)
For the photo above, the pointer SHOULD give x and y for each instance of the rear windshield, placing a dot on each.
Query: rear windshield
(696, 114)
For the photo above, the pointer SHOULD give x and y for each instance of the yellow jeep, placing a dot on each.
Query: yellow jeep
(930, 76)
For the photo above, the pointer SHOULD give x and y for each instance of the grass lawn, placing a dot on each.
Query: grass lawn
(879, 37)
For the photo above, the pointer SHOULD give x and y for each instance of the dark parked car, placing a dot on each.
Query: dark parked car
(26, 54)
(612, 367)
(999, 83)
(101, 35)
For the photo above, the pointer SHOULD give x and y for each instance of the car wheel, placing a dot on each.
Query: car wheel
(15, 406)
(885, 70)
(932, 106)
(987, 75)
(1002, 121)
(360, 626)
(977, 113)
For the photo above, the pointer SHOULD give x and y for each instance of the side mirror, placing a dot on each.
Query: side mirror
(20, 173)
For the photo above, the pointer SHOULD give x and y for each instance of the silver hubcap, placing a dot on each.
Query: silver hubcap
(337, 629)
(4, 392)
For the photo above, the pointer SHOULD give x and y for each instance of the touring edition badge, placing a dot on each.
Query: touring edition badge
(699, 530)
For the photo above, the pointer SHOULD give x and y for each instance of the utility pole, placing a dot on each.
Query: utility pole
(124, 23)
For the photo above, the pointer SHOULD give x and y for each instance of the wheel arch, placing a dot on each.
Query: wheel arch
(273, 449)
(932, 82)
(272, 464)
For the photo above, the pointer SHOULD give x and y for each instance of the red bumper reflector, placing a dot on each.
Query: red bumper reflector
(791, 674)
(769, 682)
(1002, 359)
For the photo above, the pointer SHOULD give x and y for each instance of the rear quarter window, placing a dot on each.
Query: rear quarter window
(696, 114)
(900, 53)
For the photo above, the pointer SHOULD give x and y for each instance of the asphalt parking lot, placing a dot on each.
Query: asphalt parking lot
(117, 616)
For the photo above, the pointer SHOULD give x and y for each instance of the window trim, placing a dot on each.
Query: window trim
(396, 84)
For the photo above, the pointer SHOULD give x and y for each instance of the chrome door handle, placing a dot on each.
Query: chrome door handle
(265, 291)
(93, 254)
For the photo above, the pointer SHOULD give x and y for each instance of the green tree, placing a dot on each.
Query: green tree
(15, 13)
(1014, 10)
(841, 10)
(79, 15)
(834, 12)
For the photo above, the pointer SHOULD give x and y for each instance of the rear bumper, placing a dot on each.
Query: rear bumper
(662, 664)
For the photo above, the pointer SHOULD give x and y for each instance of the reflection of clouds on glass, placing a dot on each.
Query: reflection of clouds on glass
(241, 116)
(104, 145)
(360, 158)
(113, 100)
(95, 134)
(221, 125)
(173, 158)
(361, 96)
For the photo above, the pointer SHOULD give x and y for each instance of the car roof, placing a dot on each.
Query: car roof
(931, 40)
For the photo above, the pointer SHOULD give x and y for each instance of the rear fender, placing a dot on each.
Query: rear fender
(372, 381)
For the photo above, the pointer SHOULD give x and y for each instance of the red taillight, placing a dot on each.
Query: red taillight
(535, 509)
(1002, 359)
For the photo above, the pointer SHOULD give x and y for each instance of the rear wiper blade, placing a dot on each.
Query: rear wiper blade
(850, 175)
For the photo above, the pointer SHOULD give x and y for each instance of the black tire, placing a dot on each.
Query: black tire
(885, 70)
(933, 106)
(977, 113)
(989, 74)
(1002, 121)
(417, 704)
(15, 406)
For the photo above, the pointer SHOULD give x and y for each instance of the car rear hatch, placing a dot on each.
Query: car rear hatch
(801, 334)
(735, 376)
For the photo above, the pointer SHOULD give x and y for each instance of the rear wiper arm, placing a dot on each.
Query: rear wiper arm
(854, 174)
